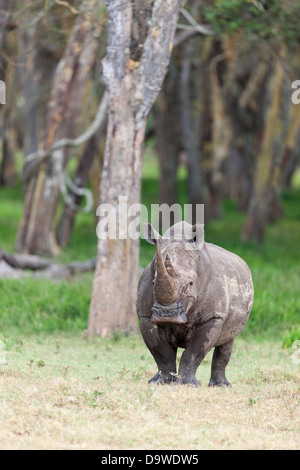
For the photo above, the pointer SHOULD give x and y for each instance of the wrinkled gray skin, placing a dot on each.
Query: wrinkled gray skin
(193, 295)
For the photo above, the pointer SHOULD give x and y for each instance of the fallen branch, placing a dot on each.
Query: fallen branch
(16, 266)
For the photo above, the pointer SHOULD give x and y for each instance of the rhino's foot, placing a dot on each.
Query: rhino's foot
(188, 381)
(162, 379)
(219, 383)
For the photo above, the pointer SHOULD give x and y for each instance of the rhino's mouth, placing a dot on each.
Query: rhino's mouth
(168, 314)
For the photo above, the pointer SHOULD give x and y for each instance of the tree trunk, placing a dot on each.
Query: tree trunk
(6, 8)
(80, 180)
(190, 116)
(8, 172)
(245, 89)
(35, 73)
(265, 205)
(96, 173)
(291, 154)
(221, 134)
(140, 37)
(114, 289)
(167, 130)
(37, 229)
(8, 169)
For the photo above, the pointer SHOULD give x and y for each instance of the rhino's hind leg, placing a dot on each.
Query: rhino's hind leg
(162, 351)
(220, 360)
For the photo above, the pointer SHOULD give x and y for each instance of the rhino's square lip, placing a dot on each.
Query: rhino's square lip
(176, 319)
(173, 313)
(168, 309)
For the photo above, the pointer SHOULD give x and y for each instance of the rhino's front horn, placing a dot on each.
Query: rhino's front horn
(165, 289)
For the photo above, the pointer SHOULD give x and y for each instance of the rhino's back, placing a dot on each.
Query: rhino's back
(234, 274)
(229, 263)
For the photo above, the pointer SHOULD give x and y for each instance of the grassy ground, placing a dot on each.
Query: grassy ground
(62, 391)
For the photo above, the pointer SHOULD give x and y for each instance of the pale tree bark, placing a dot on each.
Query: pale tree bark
(96, 172)
(37, 229)
(140, 37)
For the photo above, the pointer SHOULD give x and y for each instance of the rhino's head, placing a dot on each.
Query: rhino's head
(182, 265)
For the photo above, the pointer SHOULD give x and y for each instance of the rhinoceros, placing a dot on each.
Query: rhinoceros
(193, 295)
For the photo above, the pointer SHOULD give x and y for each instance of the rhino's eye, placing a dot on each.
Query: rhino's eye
(191, 283)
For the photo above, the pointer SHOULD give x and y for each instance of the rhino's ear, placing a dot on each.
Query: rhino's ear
(151, 235)
(197, 236)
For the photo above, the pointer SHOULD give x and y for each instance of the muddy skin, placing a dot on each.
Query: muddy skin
(193, 295)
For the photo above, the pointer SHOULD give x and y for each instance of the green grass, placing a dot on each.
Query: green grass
(274, 264)
(34, 305)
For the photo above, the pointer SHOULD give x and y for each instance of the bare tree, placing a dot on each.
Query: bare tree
(140, 39)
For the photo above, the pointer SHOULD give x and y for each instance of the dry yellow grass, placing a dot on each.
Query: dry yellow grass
(59, 399)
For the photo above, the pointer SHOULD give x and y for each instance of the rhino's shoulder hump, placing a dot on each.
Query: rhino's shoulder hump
(179, 231)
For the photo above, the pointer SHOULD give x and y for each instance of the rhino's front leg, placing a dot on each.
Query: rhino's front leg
(203, 340)
(162, 351)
